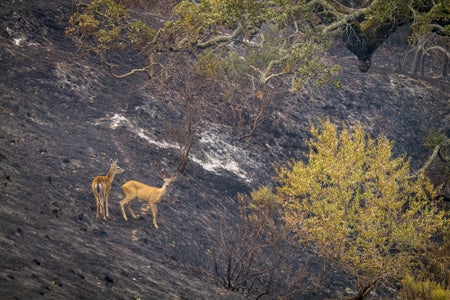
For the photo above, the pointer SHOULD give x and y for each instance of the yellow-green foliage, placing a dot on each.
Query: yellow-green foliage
(426, 290)
(437, 18)
(209, 13)
(300, 54)
(263, 197)
(198, 21)
(424, 16)
(105, 25)
(310, 70)
(351, 200)
(140, 34)
(433, 139)
(263, 206)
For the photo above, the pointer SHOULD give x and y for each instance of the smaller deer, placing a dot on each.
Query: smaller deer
(149, 194)
(101, 186)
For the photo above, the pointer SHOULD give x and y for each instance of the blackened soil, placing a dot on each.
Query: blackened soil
(56, 134)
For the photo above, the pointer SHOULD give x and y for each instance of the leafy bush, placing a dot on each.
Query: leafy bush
(353, 202)
(433, 139)
(426, 290)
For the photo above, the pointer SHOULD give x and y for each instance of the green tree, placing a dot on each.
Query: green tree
(250, 48)
(357, 207)
(275, 38)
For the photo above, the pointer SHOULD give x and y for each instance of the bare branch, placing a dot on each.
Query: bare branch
(220, 39)
(439, 48)
(132, 71)
(342, 13)
(437, 149)
(342, 21)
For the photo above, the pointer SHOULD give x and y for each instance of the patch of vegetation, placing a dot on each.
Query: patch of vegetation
(353, 202)
(427, 290)
(433, 139)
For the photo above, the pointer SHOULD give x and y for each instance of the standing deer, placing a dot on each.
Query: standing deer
(101, 186)
(149, 194)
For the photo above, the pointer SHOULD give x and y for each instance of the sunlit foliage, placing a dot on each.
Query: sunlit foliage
(99, 26)
(351, 200)
(270, 45)
(250, 48)
(300, 30)
(426, 289)
(436, 19)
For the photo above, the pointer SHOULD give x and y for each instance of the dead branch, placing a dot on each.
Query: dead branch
(438, 150)
(220, 39)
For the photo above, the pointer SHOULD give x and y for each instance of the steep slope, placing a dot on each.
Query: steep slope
(55, 136)
(63, 117)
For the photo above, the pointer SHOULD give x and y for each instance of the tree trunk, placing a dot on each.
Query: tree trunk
(364, 291)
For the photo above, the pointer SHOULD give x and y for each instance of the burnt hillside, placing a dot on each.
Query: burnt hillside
(63, 117)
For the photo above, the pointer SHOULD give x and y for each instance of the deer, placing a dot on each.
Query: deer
(101, 186)
(145, 193)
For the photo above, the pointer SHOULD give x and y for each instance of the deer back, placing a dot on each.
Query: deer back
(105, 183)
(143, 192)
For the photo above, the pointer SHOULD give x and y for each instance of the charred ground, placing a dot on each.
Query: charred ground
(63, 117)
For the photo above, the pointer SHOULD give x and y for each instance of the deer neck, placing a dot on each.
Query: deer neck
(110, 175)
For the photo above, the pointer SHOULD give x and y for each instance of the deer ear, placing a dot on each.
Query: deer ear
(174, 176)
(162, 175)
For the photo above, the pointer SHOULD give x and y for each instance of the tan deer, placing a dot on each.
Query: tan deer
(149, 194)
(101, 186)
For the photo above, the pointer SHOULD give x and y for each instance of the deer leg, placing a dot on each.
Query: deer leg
(124, 202)
(103, 208)
(144, 209)
(104, 198)
(106, 206)
(131, 211)
(97, 204)
(154, 213)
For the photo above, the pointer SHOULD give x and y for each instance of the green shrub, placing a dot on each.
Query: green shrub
(426, 290)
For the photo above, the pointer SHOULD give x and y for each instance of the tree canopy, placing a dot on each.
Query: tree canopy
(244, 49)
(357, 207)
(271, 38)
